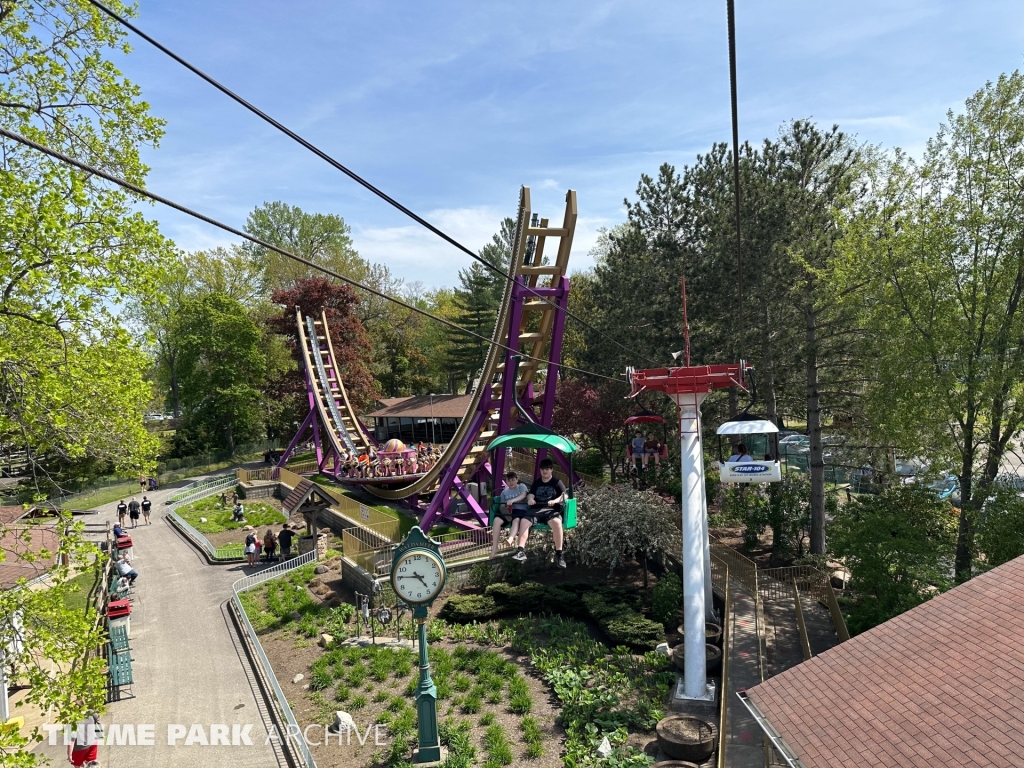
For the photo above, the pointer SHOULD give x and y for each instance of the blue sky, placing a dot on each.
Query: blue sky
(450, 106)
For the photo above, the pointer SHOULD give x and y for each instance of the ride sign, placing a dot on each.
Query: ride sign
(749, 471)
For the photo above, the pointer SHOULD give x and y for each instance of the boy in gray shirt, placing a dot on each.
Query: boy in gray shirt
(511, 512)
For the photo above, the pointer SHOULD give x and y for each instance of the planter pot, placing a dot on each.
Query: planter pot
(713, 657)
(712, 633)
(683, 737)
(675, 764)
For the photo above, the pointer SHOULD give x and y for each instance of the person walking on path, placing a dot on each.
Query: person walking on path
(284, 538)
(147, 508)
(122, 512)
(250, 550)
(133, 512)
(143, 482)
(270, 544)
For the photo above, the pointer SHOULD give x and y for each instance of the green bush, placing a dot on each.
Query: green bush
(526, 598)
(665, 600)
(481, 575)
(466, 608)
(633, 630)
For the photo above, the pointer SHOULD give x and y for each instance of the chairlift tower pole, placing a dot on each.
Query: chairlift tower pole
(688, 387)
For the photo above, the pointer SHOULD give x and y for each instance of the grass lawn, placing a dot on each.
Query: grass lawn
(405, 522)
(218, 518)
(81, 588)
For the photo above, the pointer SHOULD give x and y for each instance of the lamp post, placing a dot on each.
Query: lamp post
(433, 437)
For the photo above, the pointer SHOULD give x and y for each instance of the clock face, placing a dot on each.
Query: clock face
(417, 577)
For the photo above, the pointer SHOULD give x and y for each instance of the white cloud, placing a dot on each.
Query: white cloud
(416, 254)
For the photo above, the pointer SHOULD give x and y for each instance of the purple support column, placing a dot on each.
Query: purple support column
(307, 422)
(506, 413)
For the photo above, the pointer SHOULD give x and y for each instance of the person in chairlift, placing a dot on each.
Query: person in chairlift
(741, 453)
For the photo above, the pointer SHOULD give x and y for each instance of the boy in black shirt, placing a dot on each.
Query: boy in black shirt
(147, 509)
(547, 501)
(122, 512)
(284, 538)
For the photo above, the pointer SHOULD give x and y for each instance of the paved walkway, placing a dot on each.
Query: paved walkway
(189, 667)
(743, 741)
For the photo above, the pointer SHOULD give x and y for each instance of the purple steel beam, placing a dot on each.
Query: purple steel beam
(295, 440)
(472, 503)
(506, 412)
(439, 503)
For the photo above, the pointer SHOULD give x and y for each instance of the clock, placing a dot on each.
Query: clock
(417, 576)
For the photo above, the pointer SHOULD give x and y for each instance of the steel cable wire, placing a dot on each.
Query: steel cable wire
(258, 241)
(348, 172)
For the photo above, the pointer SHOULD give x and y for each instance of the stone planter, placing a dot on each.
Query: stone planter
(683, 737)
(712, 633)
(675, 764)
(713, 657)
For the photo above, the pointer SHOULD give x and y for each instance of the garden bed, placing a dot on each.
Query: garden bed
(528, 690)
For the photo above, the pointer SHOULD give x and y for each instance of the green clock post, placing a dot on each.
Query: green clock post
(418, 575)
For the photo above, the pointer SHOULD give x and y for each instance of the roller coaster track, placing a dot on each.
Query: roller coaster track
(344, 430)
(528, 321)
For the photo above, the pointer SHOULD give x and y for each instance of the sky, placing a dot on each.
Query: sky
(450, 106)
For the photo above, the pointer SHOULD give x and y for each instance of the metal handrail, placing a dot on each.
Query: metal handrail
(805, 642)
(724, 695)
(244, 584)
(201, 490)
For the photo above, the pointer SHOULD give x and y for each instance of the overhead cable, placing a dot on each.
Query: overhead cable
(348, 172)
(141, 191)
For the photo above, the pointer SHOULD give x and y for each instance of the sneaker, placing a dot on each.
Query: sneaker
(520, 555)
(560, 561)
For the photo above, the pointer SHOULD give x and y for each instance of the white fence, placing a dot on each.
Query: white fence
(202, 489)
(246, 583)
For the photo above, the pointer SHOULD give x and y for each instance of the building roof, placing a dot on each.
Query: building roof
(940, 685)
(425, 407)
(18, 540)
(387, 402)
(11, 514)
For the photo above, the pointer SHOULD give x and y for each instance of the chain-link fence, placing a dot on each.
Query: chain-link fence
(76, 494)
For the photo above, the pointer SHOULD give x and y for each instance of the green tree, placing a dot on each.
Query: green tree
(1000, 530)
(221, 363)
(47, 644)
(322, 238)
(938, 243)
(477, 301)
(71, 388)
(899, 547)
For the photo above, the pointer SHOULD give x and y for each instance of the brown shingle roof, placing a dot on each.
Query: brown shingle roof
(423, 407)
(11, 514)
(940, 685)
(18, 540)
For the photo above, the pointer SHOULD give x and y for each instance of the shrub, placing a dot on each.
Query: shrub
(358, 702)
(487, 719)
(481, 576)
(665, 600)
(525, 598)
(473, 703)
(633, 630)
(463, 609)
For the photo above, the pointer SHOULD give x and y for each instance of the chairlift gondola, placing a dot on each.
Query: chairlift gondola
(646, 417)
(762, 436)
(536, 437)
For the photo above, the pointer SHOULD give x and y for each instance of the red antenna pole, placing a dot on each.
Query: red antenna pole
(686, 325)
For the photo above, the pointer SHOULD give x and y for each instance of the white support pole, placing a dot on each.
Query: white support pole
(709, 601)
(694, 544)
(5, 713)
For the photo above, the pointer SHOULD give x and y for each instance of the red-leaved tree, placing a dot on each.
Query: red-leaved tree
(595, 416)
(348, 337)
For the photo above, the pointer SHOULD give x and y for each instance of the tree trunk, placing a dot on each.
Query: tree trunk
(815, 458)
(965, 532)
(768, 364)
(172, 369)
(230, 438)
